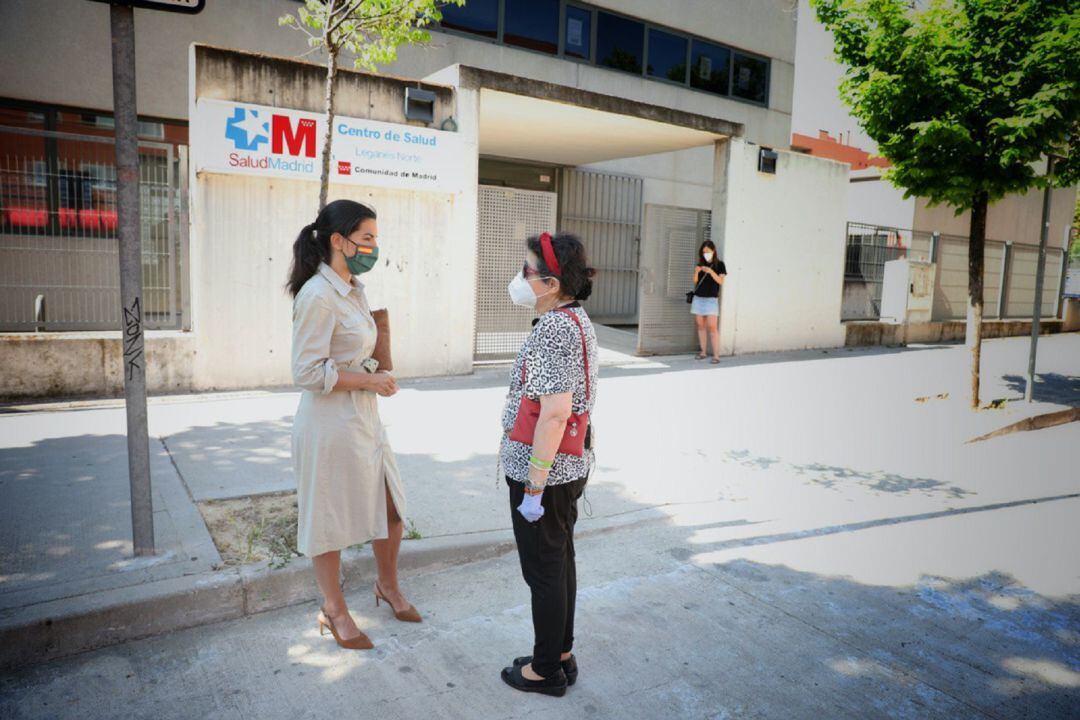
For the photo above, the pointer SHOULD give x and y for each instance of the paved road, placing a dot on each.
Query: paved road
(963, 615)
(832, 548)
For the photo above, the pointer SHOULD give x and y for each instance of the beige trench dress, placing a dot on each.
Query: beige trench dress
(340, 451)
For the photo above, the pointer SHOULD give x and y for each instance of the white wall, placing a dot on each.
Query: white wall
(816, 103)
(241, 250)
(677, 179)
(242, 230)
(783, 243)
(878, 202)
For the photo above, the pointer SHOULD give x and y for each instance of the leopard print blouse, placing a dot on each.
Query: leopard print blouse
(552, 356)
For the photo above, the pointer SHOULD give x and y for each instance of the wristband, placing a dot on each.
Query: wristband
(540, 464)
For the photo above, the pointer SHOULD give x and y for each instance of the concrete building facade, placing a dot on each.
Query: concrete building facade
(660, 113)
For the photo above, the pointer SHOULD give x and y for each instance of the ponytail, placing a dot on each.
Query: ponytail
(308, 253)
(312, 246)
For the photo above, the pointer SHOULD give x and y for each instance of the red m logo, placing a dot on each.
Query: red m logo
(302, 141)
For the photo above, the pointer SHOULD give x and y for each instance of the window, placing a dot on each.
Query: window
(607, 39)
(709, 67)
(480, 17)
(39, 171)
(17, 117)
(578, 33)
(532, 24)
(102, 177)
(751, 78)
(620, 43)
(667, 56)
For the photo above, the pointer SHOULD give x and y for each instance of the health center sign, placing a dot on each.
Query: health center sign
(245, 139)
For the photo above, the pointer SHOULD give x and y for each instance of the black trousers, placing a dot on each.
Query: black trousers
(546, 551)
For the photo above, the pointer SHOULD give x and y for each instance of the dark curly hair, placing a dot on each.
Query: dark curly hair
(575, 274)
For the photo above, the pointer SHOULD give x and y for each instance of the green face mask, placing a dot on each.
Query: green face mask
(364, 260)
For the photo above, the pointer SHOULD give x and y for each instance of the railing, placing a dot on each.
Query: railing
(869, 247)
(1008, 273)
(59, 265)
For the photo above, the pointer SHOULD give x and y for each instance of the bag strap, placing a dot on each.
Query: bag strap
(584, 354)
(584, 350)
(703, 276)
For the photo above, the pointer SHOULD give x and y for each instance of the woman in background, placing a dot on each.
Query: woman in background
(708, 277)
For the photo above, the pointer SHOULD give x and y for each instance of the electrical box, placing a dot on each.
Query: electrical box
(907, 291)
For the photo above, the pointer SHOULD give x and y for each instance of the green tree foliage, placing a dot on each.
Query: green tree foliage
(370, 30)
(965, 98)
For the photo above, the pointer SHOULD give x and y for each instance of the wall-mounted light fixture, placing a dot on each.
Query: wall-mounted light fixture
(766, 160)
(419, 105)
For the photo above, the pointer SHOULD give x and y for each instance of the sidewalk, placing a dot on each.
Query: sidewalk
(796, 441)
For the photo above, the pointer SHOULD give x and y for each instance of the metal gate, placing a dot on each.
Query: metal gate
(59, 254)
(604, 210)
(506, 218)
(671, 241)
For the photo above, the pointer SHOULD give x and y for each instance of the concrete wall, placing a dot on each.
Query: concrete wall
(878, 202)
(1017, 218)
(90, 364)
(243, 229)
(783, 243)
(75, 71)
(57, 51)
(676, 179)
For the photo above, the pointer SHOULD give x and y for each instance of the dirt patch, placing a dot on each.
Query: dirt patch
(253, 529)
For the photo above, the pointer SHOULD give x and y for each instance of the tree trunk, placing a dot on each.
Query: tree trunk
(976, 245)
(331, 75)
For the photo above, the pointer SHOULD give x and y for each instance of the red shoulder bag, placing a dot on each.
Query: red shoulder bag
(573, 439)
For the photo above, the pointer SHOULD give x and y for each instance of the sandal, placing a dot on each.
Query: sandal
(714, 361)
(700, 356)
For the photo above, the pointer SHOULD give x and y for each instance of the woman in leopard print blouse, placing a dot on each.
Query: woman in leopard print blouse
(556, 366)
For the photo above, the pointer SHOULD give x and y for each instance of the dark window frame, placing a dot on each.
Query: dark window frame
(647, 25)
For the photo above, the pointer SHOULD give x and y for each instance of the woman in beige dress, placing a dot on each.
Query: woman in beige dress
(349, 490)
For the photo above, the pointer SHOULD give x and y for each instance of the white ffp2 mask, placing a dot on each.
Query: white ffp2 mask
(521, 293)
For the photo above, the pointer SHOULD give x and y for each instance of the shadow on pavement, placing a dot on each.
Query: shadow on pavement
(837, 477)
(1049, 387)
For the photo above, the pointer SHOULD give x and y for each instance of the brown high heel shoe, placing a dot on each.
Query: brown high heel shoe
(360, 642)
(408, 615)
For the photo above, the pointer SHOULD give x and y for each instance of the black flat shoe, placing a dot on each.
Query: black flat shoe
(569, 667)
(554, 685)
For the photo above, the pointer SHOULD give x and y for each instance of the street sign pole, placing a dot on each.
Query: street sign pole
(1040, 273)
(122, 20)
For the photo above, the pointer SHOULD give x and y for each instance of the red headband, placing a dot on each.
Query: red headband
(549, 255)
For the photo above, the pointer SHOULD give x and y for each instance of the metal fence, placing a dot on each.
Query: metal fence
(869, 247)
(604, 210)
(1008, 273)
(59, 263)
(506, 217)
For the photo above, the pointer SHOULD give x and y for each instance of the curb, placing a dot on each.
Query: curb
(60, 628)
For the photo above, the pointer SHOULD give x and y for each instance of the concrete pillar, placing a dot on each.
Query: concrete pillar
(721, 186)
